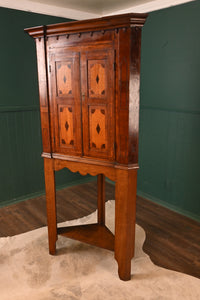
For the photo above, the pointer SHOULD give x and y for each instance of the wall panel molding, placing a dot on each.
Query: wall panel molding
(170, 110)
(19, 108)
(172, 207)
(42, 192)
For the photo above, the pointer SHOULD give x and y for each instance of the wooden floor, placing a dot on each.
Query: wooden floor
(172, 241)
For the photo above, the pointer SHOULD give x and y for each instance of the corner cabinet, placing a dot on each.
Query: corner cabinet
(89, 78)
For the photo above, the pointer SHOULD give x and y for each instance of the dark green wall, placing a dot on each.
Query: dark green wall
(170, 109)
(21, 167)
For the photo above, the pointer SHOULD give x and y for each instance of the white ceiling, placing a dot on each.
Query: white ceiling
(86, 9)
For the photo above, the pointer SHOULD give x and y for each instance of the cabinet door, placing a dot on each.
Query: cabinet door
(65, 102)
(97, 72)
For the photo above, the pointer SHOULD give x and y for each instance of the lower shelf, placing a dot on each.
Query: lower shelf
(93, 234)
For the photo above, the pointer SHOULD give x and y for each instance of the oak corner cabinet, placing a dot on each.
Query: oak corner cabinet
(89, 78)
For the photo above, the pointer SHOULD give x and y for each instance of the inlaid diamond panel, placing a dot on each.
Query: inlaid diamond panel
(66, 126)
(97, 78)
(97, 128)
(64, 78)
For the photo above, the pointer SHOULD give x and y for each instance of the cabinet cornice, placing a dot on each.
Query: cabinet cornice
(105, 23)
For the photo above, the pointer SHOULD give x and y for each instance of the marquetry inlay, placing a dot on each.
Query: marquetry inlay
(66, 126)
(97, 128)
(64, 78)
(97, 78)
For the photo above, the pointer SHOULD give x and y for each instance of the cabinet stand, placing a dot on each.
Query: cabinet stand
(122, 243)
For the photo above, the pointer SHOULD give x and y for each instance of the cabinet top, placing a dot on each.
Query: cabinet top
(105, 23)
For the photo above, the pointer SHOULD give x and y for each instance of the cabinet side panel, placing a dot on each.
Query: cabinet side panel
(122, 95)
(43, 93)
(134, 94)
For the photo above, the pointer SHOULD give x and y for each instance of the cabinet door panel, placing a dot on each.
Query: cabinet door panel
(66, 125)
(98, 103)
(65, 102)
(97, 128)
(97, 84)
(64, 78)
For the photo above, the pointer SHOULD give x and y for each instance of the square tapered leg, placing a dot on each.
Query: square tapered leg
(125, 211)
(50, 203)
